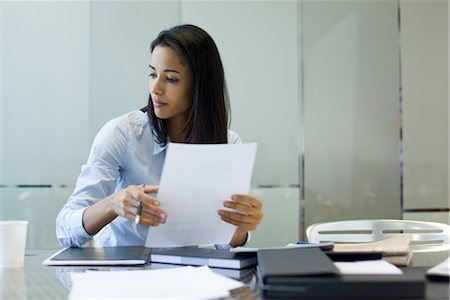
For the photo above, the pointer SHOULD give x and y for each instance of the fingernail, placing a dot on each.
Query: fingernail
(226, 204)
(162, 216)
(235, 197)
(220, 212)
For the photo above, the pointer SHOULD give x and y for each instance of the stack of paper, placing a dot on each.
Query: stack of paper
(441, 270)
(395, 250)
(370, 267)
(174, 283)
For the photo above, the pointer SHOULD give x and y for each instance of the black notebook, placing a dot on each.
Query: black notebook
(139, 255)
(195, 256)
(281, 264)
(88, 256)
(310, 274)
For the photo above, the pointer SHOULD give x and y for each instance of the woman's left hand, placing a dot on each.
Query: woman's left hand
(248, 212)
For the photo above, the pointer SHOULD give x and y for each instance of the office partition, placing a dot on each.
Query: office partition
(351, 110)
(425, 58)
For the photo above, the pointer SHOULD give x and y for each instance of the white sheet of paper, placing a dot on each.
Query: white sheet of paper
(442, 269)
(195, 181)
(174, 283)
(379, 266)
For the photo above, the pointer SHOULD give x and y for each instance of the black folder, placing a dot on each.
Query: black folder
(196, 256)
(310, 274)
(139, 255)
(281, 265)
(99, 256)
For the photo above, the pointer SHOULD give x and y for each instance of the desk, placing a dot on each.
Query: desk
(36, 282)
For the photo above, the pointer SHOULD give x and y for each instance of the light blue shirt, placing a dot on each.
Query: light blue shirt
(124, 153)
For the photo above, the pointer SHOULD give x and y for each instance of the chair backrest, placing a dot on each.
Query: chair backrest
(425, 236)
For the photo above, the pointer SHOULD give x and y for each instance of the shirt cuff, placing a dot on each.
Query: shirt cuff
(228, 246)
(79, 232)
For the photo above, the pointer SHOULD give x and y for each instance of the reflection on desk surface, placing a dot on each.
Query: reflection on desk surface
(32, 282)
(35, 281)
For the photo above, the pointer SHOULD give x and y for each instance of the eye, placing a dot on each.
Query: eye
(171, 80)
(152, 75)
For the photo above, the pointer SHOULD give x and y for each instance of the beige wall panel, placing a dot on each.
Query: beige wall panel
(351, 109)
(424, 42)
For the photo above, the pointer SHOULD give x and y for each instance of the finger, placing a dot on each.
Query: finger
(138, 193)
(246, 209)
(242, 208)
(151, 189)
(129, 215)
(240, 225)
(149, 220)
(155, 212)
(150, 201)
(130, 206)
(250, 200)
(153, 217)
(238, 217)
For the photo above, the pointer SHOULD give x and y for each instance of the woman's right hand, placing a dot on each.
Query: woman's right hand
(125, 203)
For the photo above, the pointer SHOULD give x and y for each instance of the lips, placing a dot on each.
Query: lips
(158, 103)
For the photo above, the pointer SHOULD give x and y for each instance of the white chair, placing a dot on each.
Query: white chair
(425, 236)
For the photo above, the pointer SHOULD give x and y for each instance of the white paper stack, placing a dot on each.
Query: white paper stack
(175, 283)
(441, 270)
(370, 267)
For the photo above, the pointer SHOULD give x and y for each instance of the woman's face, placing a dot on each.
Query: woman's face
(171, 86)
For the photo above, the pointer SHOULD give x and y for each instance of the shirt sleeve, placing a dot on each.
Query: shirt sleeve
(233, 138)
(97, 180)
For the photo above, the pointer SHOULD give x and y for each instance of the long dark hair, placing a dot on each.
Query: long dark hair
(209, 115)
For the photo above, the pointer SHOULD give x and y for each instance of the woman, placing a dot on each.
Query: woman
(188, 103)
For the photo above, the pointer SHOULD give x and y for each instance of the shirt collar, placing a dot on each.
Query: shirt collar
(157, 148)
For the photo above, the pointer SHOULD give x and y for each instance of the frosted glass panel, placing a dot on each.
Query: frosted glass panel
(425, 76)
(39, 206)
(121, 35)
(351, 109)
(258, 42)
(440, 217)
(45, 91)
(280, 224)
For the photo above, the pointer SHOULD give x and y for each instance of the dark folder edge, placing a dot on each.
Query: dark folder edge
(353, 255)
(294, 262)
(140, 255)
(109, 256)
(197, 256)
(406, 286)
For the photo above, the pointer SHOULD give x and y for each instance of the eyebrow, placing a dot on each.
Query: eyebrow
(166, 70)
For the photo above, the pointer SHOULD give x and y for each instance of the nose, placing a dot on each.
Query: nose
(156, 86)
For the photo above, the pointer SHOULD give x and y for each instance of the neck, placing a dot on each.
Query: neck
(175, 132)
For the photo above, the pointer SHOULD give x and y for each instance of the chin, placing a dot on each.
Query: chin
(160, 116)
